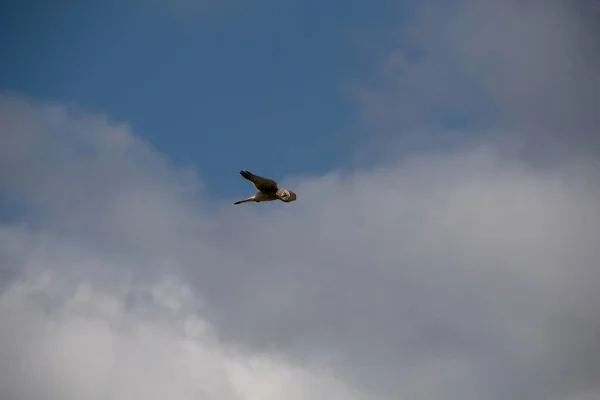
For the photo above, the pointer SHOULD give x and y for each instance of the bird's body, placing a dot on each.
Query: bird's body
(268, 190)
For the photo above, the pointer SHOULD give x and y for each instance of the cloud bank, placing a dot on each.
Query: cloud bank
(463, 274)
(90, 305)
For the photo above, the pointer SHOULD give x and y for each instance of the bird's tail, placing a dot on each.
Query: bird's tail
(244, 200)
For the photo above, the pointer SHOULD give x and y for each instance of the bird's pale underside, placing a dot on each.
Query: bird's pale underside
(268, 190)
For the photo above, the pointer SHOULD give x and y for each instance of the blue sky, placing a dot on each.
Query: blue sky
(211, 86)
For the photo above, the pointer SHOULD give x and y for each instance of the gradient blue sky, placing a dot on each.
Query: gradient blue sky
(210, 84)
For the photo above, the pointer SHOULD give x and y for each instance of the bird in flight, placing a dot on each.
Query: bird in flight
(267, 190)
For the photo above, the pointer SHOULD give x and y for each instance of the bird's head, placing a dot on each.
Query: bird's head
(286, 195)
(292, 196)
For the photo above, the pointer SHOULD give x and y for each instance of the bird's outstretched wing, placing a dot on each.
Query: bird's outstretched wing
(262, 184)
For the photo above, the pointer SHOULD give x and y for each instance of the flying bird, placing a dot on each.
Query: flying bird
(267, 190)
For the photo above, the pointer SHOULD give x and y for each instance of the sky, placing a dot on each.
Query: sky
(202, 79)
(444, 240)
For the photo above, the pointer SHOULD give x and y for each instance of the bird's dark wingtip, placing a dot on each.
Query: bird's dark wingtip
(246, 174)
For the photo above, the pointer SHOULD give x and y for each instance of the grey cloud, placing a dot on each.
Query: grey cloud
(463, 275)
(93, 346)
(85, 173)
(541, 61)
(460, 261)
(529, 66)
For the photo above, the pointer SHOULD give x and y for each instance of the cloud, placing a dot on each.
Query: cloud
(89, 303)
(530, 67)
(98, 345)
(469, 274)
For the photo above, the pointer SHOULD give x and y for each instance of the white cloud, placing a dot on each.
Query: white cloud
(470, 274)
(94, 345)
(110, 213)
